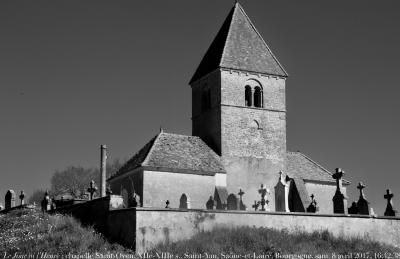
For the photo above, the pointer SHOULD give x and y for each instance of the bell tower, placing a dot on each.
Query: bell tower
(238, 106)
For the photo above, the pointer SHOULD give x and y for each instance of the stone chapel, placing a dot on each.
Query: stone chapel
(238, 140)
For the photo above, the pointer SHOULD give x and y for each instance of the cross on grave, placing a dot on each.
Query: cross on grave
(338, 177)
(21, 197)
(256, 205)
(339, 200)
(241, 205)
(361, 186)
(362, 203)
(390, 212)
(92, 189)
(263, 191)
(167, 204)
(313, 205)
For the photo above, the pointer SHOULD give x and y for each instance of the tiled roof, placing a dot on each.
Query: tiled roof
(175, 153)
(238, 45)
(301, 166)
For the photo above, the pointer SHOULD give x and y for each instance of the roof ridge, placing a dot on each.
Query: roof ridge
(259, 35)
(146, 159)
(315, 163)
(229, 32)
(177, 134)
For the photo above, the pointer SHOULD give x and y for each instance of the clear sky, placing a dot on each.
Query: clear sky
(77, 74)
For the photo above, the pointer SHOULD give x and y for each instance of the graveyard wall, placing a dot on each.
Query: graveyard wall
(121, 226)
(94, 212)
(154, 226)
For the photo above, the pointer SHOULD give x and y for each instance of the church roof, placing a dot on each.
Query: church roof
(175, 153)
(301, 166)
(238, 45)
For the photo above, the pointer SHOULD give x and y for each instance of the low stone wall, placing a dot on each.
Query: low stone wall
(94, 212)
(154, 226)
(144, 228)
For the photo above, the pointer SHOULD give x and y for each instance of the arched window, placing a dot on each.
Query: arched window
(247, 96)
(258, 97)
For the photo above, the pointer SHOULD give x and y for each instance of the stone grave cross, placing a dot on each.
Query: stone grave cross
(21, 197)
(338, 177)
(390, 212)
(92, 189)
(241, 205)
(361, 186)
(362, 203)
(339, 200)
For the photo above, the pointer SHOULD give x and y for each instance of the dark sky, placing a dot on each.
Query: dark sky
(77, 74)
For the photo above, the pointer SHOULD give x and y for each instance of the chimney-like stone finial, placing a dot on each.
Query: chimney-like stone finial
(103, 163)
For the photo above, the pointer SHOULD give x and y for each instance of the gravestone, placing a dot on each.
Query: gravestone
(45, 204)
(134, 201)
(22, 197)
(362, 203)
(210, 203)
(282, 194)
(339, 199)
(9, 199)
(312, 208)
(389, 212)
(232, 202)
(92, 189)
(183, 202)
(353, 209)
(241, 204)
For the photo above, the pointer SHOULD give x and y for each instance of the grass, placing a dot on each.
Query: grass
(31, 232)
(248, 241)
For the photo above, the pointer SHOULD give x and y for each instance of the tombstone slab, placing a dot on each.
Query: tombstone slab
(312, 208)
(353, 209)
(282, 194)
(232, 202)
(362, 203)
(9, 200)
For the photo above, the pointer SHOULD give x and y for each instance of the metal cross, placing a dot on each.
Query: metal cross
(263, 192)
(256, 205)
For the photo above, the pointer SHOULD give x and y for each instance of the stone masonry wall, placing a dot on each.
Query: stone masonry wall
(253, 139)
(207, 123)
(159, 226)
(323, 195)
(162, 186)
